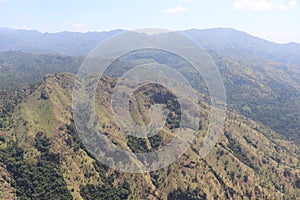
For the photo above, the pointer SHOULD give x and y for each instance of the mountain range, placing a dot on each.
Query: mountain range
(262, 78)
(227, 41)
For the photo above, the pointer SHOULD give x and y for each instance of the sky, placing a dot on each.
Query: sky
(275, 20)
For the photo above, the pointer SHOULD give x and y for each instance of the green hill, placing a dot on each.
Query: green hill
(43, 156)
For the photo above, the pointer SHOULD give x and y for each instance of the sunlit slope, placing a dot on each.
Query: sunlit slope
(250, 161)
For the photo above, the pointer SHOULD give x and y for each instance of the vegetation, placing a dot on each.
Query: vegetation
(40, 180)
(91, 192)
(187, 195)
(19, 70)
(239, 160)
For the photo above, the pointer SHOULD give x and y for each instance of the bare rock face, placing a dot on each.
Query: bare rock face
(45, 92)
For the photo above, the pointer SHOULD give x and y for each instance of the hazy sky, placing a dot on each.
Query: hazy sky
(276, 20)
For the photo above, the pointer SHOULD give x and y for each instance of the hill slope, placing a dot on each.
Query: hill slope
(250, 161)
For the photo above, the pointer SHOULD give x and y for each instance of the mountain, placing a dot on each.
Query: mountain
(240, 45)
(68, 43)
(225, 41)
(262, 78)
(43, 157)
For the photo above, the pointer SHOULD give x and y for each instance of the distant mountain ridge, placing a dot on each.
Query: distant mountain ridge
(240, 45)
(225, 41)
(68, 43)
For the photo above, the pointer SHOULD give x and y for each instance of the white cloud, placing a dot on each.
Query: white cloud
(25, 28)
(76, 25)
(3, 1)
(176, 9)
(281, 37)
(261, 5)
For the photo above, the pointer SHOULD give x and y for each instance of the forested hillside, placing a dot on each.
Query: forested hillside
(250, 160)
